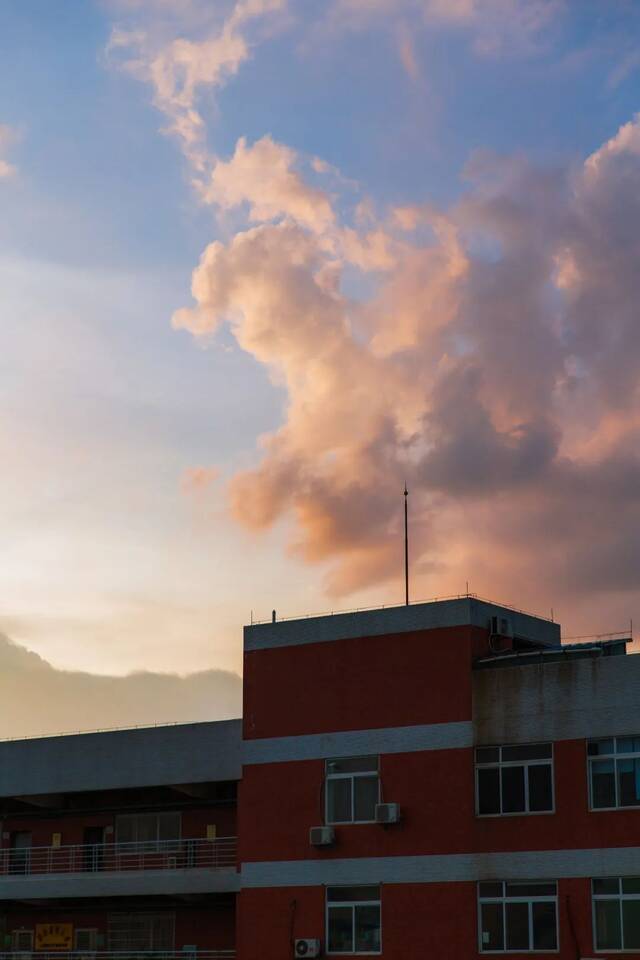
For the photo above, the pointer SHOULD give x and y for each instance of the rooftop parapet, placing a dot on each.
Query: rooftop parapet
(467, 610)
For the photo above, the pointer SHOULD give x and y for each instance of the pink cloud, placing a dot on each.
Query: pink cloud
(8, 136)
(199, 479)
(184, 50)
(494, 366)
(263, 176)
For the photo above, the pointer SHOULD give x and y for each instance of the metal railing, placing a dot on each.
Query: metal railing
(118, 955)
(184, 854)
(467, 595)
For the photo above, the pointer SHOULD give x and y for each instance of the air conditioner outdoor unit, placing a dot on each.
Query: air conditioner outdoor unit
(321, 836)
(307, 948)
(500, 627)
(387, 812)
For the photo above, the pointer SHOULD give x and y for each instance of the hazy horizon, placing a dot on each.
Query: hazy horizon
(262, 262)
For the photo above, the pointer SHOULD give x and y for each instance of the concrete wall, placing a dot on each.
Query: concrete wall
(122, 884)
(563, 700)
(151, 756)
(460, 612)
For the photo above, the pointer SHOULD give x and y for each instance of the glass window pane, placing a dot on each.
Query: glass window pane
(631, 885)
(487, 754)
(603, 783)
(606, 885)
(631, 924)
(540, 788)
(124, 829)
(367, 922)
(544, 926)
(628, 745)
(491, 926)
(608, 933)
(512, 789)
(339, 800)
(531, 889)
(517, 923)
(147, 828)
(352, 894)
(628, 782)
(366, 794)
(169, 826)
(353, 765)
(340, 933)
(490, 889)
(162, 932)
(488, 790)
(527, 751)
(600, 747)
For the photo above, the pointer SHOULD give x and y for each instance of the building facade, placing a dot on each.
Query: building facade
(444, 780)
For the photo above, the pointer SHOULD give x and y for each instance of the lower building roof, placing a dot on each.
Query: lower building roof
(121, 759)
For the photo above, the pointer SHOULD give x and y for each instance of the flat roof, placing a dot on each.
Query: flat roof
(567, 651)
(467, 610)
(122, 759)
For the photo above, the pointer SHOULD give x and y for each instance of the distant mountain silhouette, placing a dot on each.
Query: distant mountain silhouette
(36, 698)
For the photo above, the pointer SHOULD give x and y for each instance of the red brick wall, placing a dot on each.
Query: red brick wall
(357, 684)
(419, 921)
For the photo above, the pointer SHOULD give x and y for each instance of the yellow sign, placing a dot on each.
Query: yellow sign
(54, 936)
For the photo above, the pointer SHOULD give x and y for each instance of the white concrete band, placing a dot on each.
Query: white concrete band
(464, 867)
(351, 743)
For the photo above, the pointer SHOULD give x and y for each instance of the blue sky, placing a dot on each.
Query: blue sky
(115, 558)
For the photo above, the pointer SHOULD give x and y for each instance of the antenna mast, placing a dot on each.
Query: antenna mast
(406, 548)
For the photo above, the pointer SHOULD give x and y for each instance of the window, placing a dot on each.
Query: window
(516, 779)
(353, 920)
(148, 829)
(86, 940)
(352, 790)
(519, 917)
(141, 932)
(22, 941)
(20, 855)
(614, 772)
(616, 913)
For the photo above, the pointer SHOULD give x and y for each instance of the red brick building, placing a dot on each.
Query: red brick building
(444, 780)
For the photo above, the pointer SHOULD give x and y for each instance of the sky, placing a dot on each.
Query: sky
(262, 262)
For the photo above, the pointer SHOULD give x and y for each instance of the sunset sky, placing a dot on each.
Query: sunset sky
(261, 262)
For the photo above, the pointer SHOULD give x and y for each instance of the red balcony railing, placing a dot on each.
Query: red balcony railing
(194, 854)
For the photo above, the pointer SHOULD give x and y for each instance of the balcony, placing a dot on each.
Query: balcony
(119, 955)
(120, 869)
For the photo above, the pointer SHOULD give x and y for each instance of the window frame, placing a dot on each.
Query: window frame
(615, 756)
(352, 775)
(148, 846)
(620, 897)
(500, 764)
(525, 899)
(351, 903)
(94, 937)
(15, 933)
(125, 926)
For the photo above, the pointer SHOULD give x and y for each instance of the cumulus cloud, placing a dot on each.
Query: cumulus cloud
(263, 176)
(38, 698)
(492, 364)
(183, 50)
(495, 367)
(8, 137)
